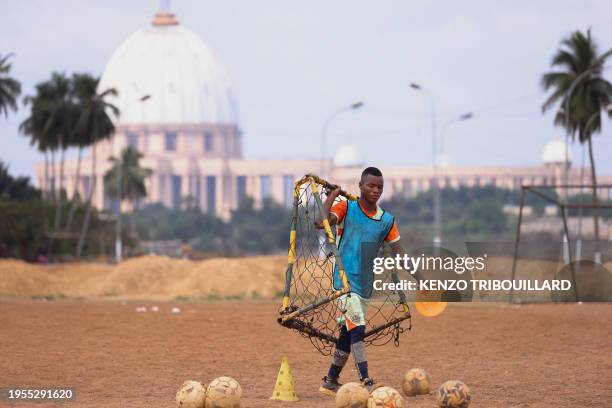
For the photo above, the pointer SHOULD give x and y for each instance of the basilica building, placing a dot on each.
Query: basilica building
(179, 110)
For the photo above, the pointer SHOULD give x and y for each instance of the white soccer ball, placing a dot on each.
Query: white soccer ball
(352, 395)
(191, 395)
(385, 397)
(223, 392)
(416, 381)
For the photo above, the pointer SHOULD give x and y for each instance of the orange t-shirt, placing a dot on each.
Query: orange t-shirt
(339, 210)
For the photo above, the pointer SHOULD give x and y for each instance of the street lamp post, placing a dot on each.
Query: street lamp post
(434, 158)
(438, 196)
(460, 118)
(436, 154)
(326, 125)
(118, 240)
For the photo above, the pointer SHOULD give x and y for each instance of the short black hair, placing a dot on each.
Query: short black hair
(371, 171)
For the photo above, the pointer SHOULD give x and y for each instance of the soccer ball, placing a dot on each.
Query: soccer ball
(352, 395)
(416, 381)
(191, 395)
(453, 394)
(223, 392)
(385, 397)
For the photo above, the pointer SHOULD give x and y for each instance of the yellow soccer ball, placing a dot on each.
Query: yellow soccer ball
(191, 395)
(223, 392)
(352, 395)
(416, 381)
(453, 394)
(385, 397)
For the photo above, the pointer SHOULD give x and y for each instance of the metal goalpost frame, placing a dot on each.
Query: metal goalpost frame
(290, 316)
(563, 206)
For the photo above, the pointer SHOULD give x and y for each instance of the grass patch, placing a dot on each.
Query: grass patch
(49, 297)
(239, 296)
(183, 298)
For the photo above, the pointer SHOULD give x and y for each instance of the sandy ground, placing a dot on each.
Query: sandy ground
(147, 277)
(510, 356)
(162, 278)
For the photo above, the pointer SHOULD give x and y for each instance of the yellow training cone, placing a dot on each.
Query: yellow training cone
(284, 390)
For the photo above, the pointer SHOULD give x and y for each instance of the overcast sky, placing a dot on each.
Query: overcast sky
(294, 63)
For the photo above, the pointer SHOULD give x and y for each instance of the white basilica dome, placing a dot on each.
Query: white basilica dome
(347, 156)
(185, 81)
(554, 152)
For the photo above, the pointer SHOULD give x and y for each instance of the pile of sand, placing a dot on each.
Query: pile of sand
(148, 276)
(161, 277)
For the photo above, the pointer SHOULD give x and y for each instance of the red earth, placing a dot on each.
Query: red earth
(510, 356)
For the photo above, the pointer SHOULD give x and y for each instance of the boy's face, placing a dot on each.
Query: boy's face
(371, 188)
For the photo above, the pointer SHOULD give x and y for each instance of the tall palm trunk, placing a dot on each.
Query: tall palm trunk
(45, 190)
(53, 177)
(53, 195)
(594, 182)
(134, 201)
(58, 205)
(92, 188)
(75, 193)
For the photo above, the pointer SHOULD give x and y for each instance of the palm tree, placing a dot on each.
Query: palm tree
(10, 88)
(132, 177)
(95, 121)
(83, 86)
(127, 176)
(61, 122)
(49, 124)
(577, 81)
(34, 127)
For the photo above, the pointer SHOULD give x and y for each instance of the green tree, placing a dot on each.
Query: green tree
(262, 230)
(484, 216)
(577, 79)
(49, 125)
(34, 127)
(94, 120)
(205, 232)
(83, 86)
(12, 188)
(125, 180)
(10, 88)
(127, 174)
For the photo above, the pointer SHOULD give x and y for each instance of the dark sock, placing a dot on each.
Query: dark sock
(334, 372)
(340, 355)
(363, 370)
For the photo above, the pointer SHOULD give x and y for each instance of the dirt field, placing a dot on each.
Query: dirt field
(510, 356)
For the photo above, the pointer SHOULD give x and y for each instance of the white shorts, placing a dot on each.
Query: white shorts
(353, 308)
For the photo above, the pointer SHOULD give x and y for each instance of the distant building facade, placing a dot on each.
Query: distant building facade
(178, 109)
